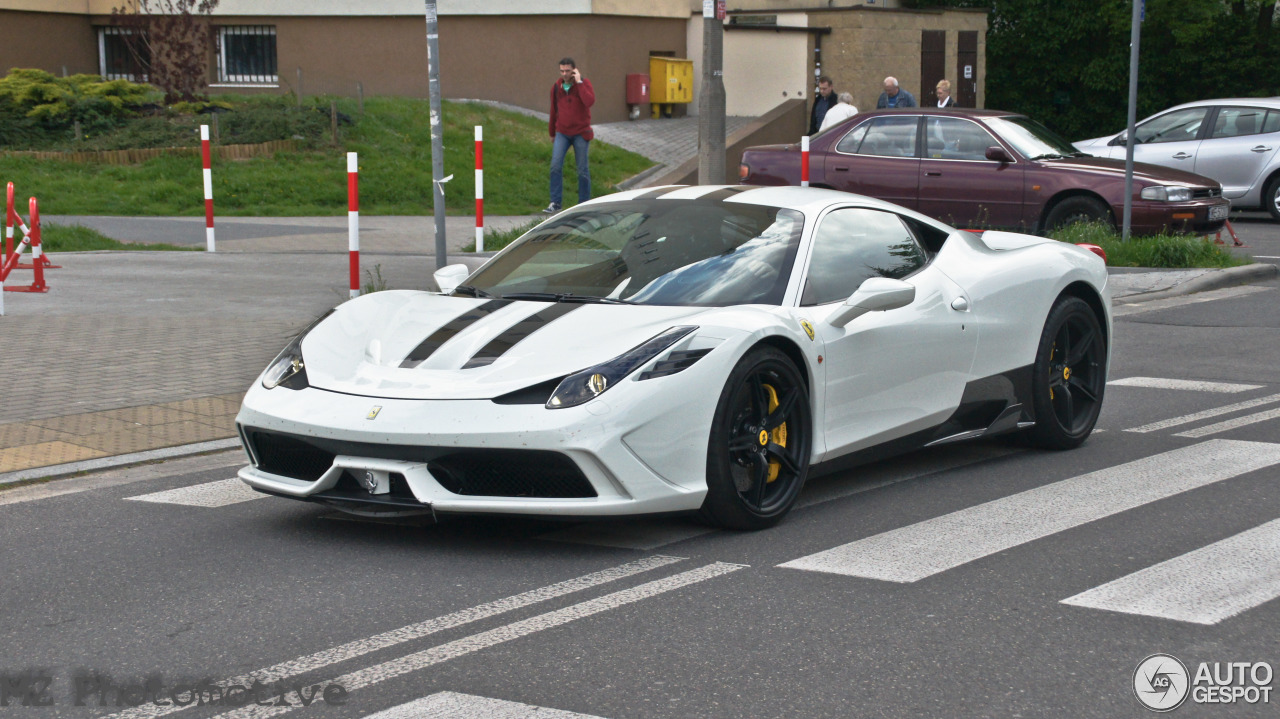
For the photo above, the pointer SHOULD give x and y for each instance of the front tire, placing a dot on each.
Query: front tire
(1069, 376)
(1077, 209)
(1271, 198)
(761, 439)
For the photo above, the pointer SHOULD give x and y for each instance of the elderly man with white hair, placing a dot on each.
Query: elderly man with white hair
(894, 96)
(843, 110)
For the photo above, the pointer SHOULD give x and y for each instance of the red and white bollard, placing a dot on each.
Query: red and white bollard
(8, 222)
(479, 189)
(208, 188)
(804, 161)
(353, 221)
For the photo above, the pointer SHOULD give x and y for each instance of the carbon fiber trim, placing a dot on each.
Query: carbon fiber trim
(447, 332)
(499, 345)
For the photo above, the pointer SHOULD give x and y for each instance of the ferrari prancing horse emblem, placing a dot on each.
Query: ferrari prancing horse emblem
(808, 328)
(374, 412)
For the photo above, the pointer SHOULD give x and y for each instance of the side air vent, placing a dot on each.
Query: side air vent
(676, 362)
(536, 394)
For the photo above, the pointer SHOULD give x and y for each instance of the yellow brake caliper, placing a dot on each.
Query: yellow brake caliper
(778, 436)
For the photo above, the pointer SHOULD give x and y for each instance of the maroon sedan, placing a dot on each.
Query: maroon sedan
(983, 168)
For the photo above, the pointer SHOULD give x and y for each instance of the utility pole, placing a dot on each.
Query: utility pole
(1135, 34)
(437, 132)
(711, 140)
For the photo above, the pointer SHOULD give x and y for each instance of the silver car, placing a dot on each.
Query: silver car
(1234, 141)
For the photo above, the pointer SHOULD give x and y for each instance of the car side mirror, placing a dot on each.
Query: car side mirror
(1118, 140)
(876, 294)
(450, 276)
(998, 154)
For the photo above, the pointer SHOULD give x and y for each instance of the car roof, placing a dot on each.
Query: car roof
(1271, 102)
(961, 111)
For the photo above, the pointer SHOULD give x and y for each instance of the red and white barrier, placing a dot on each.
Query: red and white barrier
(30, 238)
(11, 216)
(8, 223)
(353, 221)
(804, 161)
(479, 189)
(208, 187)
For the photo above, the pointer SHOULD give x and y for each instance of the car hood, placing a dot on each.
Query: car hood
(1093, 143)
(1141, 170)
(419, 345)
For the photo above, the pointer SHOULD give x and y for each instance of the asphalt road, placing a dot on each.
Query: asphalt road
(890, 604)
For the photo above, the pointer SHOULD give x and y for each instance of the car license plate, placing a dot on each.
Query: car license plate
(1219, 213)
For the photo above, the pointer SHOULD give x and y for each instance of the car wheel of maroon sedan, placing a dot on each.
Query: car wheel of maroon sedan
(1077, 209)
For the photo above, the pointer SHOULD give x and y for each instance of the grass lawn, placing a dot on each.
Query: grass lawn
(1167, 251)
(77, 238)
(393, 140)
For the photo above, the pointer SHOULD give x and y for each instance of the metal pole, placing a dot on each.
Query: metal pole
(437, 131)
(1135, 35)
(711, 101)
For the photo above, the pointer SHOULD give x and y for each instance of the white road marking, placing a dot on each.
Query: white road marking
(451, 705)
(209, 494)
(1206, 414)
(911, 553)
(1183, 384)
(1211, 295)
(628, 534)
(476, 642)
(117, 477)
(360, 647)
(1232, 423)
(883, 474)
(1206, 586)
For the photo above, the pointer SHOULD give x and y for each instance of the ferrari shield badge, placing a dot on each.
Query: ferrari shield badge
(373, 413)
(808, 328)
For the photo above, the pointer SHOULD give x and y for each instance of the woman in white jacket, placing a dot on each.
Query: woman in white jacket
(841, 111)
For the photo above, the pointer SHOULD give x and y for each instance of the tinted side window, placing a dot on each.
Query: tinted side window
(887, 137)
(1273, 121)
(1238, 121)
(949, 138)
(849, 143)
(1173, 127)
(853, 245)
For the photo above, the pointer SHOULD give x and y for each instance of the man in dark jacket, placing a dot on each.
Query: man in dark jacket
(894, 96)
(570, 124)
(825, 100)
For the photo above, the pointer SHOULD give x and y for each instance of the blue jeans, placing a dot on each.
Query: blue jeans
(558, 150)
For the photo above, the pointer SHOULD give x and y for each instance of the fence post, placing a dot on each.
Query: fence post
(479, 188)
(8, 222)
(353, 221)
(804, 160)
(208, 188)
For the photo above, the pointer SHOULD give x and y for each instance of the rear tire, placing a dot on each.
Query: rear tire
(1271, 198)
(1077, 209)
(1068, 378)
(753, 484)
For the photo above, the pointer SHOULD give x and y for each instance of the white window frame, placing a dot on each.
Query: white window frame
(224, 78)
(103, 32)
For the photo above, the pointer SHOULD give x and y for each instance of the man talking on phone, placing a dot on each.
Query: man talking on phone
(571, 101)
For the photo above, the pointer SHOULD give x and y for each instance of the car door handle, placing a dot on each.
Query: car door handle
(1183, 156)
(960, 304)
(933, 174)
(841, 169)
(1261, 148)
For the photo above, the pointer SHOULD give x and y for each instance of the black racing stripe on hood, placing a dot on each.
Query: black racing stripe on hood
(723, 193)
(499, 345)
(451, 328)
(651, 194)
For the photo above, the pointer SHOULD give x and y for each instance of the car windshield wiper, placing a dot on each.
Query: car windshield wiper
(1050, 156)
(565, 297)
(473, 291)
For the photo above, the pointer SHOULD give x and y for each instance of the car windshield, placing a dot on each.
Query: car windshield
(1031, 139)
(703, 252)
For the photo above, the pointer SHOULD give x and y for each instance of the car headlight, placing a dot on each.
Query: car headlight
(590, 383)
(288, 369)
(1161, 193)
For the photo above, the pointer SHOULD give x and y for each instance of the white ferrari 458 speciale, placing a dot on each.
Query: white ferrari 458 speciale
(683, 349)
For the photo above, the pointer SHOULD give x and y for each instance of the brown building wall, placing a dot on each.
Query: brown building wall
(48, 41)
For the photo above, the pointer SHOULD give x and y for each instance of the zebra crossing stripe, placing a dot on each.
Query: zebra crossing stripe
(394, 637)
(1233, 423)
(1206, 586)
(1183, 384)
(451, 705)
(209, 494)
(1206, 414)
(391, 669)
(921, 550)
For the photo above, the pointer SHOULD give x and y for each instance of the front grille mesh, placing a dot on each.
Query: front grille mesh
(478, 473)
(1204, 193)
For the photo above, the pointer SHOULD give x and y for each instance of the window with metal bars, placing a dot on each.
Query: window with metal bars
(247, 54)
(116, 61)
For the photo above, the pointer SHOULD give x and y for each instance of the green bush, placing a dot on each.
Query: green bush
(50, 106)
(273, 119)
(1167, 251)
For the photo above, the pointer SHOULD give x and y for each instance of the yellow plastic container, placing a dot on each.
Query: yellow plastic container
(672, 79)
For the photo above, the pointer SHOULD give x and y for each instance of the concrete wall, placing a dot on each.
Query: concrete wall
(764, 68)
(48, 41)
(783, 124)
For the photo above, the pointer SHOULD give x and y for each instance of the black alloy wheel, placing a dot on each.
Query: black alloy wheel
(761, 438)
(1077, 209)
(1069, 376)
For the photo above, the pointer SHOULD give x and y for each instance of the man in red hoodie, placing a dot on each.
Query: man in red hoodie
(571, 101)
